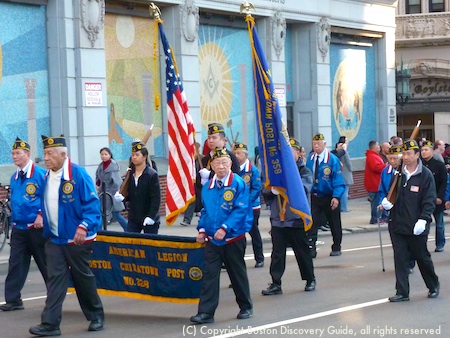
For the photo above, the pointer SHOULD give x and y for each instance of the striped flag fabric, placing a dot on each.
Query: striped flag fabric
(180, 190)
(277, 161)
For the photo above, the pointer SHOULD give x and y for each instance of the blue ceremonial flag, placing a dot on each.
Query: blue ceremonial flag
(278, 165)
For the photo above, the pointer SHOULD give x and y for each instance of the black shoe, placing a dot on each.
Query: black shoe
(324, 228)
(201, 318)
(259, 264)
(45, 329)
(96, 325)
(439, 249)
(12, 306)
(245, 314)
(335, 253)
(273, 289)
(398, 298)
(310, 286)
(433, 293)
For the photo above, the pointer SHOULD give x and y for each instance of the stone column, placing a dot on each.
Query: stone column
(30, 87)
(77, 76)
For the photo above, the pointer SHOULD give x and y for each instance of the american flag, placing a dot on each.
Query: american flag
(180, 177)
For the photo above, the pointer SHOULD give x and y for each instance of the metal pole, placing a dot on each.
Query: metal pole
(381, 242)
(104, 219)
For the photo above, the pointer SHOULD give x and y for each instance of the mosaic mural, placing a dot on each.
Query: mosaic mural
(133, 83)
(24, 104)
(226, 83)
(353, 96)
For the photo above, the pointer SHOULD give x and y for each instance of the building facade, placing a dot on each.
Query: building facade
(423, 45)
(92, 70)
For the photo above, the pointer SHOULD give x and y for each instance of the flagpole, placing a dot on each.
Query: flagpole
(155, 13)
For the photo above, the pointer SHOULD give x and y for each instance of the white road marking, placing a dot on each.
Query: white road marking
(304, 318)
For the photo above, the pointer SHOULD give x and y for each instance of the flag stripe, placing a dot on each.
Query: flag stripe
(181, 172)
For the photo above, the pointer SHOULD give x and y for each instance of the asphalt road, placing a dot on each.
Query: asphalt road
(350, 301)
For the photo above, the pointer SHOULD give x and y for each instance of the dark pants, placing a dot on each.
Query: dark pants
(256, 237)
(136, 227)
(321, 213)
(296, 238)
(233, 256)
(63, 260)
(24, 244)
(407, 247)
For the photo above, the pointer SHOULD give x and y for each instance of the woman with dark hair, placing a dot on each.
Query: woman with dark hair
(143, 193)
(108, 171)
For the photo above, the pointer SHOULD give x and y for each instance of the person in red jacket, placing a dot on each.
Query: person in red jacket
(372, 175)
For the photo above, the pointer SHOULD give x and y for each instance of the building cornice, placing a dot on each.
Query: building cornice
(429, 29)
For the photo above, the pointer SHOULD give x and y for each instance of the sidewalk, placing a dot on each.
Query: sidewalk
(355, 221)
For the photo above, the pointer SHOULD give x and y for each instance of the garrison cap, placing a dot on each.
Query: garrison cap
(318, 137)
(410, 144)
(214, 128)
(428, 143)
(220, 152)
(136, 146)
(20, 144)
(342, 139)
(53, 141)
(395, 150)
(294, 143)
(240, 146)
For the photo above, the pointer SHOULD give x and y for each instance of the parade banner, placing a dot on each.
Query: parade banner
(151, 267)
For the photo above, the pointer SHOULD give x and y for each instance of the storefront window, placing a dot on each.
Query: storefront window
(436, 5)
(413, 6)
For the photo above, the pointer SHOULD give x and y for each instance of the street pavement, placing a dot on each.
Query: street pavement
(355, 221)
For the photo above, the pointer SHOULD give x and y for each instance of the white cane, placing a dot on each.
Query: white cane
(381, 242)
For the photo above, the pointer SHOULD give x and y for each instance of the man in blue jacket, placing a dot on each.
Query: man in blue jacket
(327, 190)
(226, 217)
(26, 219)
(252, 177)
(72, 217)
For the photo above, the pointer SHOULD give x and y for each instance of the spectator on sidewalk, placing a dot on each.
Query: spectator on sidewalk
(384, 151)
(439, 149)
(27, 238)
(440, 179)
(372, 175)
(346, 168)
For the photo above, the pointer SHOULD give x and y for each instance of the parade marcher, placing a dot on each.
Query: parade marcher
(372, 175)
(289, 229)
(409, 223)
(197, 205)
(439, 149)
(439, 172)
(346, 169)
(216, 139)
(394, 158)
(252, 177)
(71, 213)
(108, 172)
(226, 217)
(144, 196)
(26, 219)
(327, 189)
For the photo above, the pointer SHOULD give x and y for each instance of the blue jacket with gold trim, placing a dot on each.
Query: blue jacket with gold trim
(250, 174)
(227, 207)
(78, 206)
(26, 196)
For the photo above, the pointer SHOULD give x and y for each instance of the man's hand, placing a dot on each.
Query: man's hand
(201, 237)
(386, 204)
(220, 234)
(148, 221)
(438, 201)
(274, 191)
(80, 236)
(334, 203)
(204, 174)
(38, 222)
(419, 227)
(447, 205)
